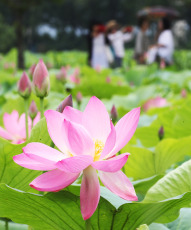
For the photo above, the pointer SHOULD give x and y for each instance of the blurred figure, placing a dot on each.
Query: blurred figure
(165, 41)
(164, 49)
(117, 39)
(180, 30)
(142, 41)
(97, 52)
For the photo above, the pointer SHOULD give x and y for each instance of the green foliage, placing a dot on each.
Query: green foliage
(61, 210)
(159, 170)
(173, 184)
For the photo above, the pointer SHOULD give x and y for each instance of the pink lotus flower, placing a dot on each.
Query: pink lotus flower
(88, 142)
(24, 86)
(75, 79)
(41, 80)
(15, 127)
(157, 102)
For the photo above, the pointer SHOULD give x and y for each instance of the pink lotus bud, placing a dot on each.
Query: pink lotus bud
(41, 80)
(32, 68)
(76, 71)
(75, 79)
(162, 64)
(108, 79)
(161, 133)
(114, 114)
(33, 110)
(66, 102)
(184, 93)
(79, 98)
(62, 75)
(24, 86)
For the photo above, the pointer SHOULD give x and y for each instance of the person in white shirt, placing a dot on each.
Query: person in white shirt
(165, 42)
(99, 57)
(117, 39)
(164, 49)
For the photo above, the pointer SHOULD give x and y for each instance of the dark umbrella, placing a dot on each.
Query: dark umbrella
(158, 12)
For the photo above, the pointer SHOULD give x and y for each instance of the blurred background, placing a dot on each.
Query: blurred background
(40, 26)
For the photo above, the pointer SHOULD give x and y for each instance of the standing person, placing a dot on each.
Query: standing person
(164, 49)
(98, 53)
(165, 42)
(142, 41)
(117, 38)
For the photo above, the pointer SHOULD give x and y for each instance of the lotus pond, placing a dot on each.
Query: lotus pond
(149, 190)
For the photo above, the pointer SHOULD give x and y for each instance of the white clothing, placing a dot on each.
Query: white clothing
(117, 40)
(99, 58)
(166, 39)
(151, 55)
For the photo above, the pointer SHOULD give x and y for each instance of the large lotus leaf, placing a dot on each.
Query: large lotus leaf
(57, 211)
(176, 122)
(183, 222)
(175, 183)
(144, 163)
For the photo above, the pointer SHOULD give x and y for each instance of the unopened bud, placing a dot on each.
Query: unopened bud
(162, 64)
(24, 86)
(184, 93)
(114, 114)
(33, 110)
(161, 133)
(62, 75)
(79, 98)
(32, 68)
(66, 102)
(108, 79)
(41, 80)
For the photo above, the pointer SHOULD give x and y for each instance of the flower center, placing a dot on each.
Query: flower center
(99, 145)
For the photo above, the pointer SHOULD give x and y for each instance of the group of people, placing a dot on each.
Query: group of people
(107, 44)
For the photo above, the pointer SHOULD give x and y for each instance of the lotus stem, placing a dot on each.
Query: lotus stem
(88, 224)
(6, 224)
(41, 107)
(26, 118)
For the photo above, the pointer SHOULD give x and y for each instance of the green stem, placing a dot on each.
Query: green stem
(26, 118)
(32, 123)
(52, 144)
(6, 224)
(41, 107)
(88, 224)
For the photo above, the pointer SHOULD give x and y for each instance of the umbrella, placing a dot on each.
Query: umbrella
(158, 12)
